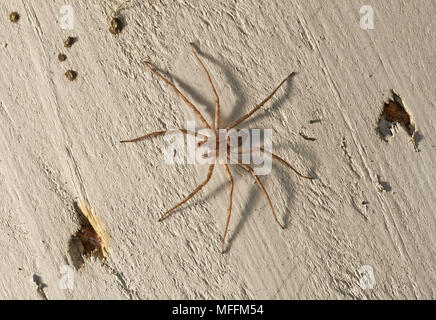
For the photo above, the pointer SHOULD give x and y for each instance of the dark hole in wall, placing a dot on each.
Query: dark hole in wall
(394, 112)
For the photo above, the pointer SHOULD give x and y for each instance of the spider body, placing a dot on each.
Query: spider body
(214, 143)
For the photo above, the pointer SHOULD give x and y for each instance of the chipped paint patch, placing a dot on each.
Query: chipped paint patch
(91, 239)
(395, 113)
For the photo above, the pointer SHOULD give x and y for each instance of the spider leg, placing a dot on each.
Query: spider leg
(229, 209)
(283, 162)
(259, 183)
(247, 115)
(217, 99)
(180, 94)
(159, 133)
(209, 175)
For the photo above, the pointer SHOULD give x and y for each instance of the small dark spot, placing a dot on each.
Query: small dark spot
(71, 75)
(116, 26)
(365, 203)
(62, 57)
(418, 137)
(14, 17)
(306, 137)
(383, 186)
(314, 121)
(76, 251)
(68, 43)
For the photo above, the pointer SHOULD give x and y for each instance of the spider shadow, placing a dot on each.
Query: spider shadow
(281, 177)
(209, 195)
(231, 80)
(248, 210)
(285, 177)
(219, 189)
(196, 97)
(185, 89)
(237, 112)
(255, 195)
(123, 20)
(309, 158)
(275, 105)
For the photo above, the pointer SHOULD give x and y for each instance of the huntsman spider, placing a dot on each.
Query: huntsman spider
(216, 140)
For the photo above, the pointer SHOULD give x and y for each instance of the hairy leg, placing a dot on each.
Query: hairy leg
(282, 161)
(209, 175)
(229, 209)
(217, 99)
(180, 94)
(246, 116)
(259, 183)
(161, 133)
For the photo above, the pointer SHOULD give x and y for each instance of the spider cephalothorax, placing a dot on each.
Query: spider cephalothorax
(215, 143)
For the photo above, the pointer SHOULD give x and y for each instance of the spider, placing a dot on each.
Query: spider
(215, 130)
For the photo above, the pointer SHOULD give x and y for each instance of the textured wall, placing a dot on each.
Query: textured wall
(60, 140)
